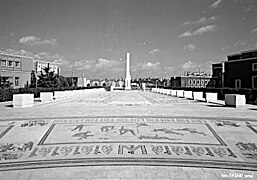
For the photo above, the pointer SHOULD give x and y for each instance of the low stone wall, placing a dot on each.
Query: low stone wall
(23, 100)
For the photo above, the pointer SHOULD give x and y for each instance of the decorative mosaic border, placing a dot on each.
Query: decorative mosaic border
(43, 139)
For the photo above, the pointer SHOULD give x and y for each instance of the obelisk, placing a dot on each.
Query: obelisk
(128, 76)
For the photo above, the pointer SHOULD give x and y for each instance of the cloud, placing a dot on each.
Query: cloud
(154, 51)
(254, 30)
(189, 47)
(224, 48)
(189, 65)
(201, 30)
(36, 41)
(19, 52)
(215, 4)
(241, 43)
(169, 69)
(202, 20)
(100, 65)
(150, 65)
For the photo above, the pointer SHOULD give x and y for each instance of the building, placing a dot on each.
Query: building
(15, 70)
(239, 71)
(41, 65)
(195, 80)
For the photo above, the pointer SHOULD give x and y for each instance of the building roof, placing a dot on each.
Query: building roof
(15, 55)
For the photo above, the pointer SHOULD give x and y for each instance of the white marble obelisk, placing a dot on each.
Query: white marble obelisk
(128, 76)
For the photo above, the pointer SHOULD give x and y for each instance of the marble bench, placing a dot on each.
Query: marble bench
(59, 94)
(235, 100)
(174, 92)
(211, 97)
(46, 96)
(188, 94)
(23, 100)
(180, 93)
(69, 93)
(198, 96)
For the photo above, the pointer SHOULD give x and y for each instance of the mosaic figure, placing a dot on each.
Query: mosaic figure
(124, 131)
(79, 127)
(83, 135)
(106, 128)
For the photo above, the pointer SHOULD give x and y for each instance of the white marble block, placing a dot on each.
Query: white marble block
(235, 100)
(169, 92)
(46, 96)
(211, 97)
(198, 96)
(23, 100)
(59, 94)
(188, 94)
(180, 93)
(143, 86)
(174, 92)
(69, 93)
(112, 88)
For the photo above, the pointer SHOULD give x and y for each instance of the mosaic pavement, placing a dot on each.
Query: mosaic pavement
(100, 133)
(107, 141)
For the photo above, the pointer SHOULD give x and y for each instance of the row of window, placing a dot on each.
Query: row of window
(238, 82)
(254, 66)
(5, 63)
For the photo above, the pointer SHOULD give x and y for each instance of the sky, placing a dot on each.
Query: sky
(165, 37)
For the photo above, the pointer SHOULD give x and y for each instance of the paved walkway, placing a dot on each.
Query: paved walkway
(128, 135)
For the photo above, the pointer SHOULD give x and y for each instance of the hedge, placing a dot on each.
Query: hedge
(7, 94)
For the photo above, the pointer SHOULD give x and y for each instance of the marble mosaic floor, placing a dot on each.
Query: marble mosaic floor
(111, 139)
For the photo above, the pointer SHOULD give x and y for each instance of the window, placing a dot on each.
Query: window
(17, 64)
(254, 82)
(238, 83)
(3, 63)
(254, 66)
(16, 82)
(10, 63)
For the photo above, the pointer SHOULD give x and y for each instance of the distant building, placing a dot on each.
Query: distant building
(41, 65)
(240, 71)
(15, 69)
(194, 80)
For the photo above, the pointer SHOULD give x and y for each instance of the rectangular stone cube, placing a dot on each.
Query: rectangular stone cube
(69, 93)
(188, 94)
(211, 97)
(174, 92)
(198, 96)
(235, 100)
(46, 96)
(59, 94)
(23, 100)
(180, 93)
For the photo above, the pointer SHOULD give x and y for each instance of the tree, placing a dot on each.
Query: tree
(63, 82)
(48, 78)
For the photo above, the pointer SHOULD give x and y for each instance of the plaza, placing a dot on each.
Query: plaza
(127, 135)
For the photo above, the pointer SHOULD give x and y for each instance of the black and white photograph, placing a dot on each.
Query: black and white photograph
(128, 89)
